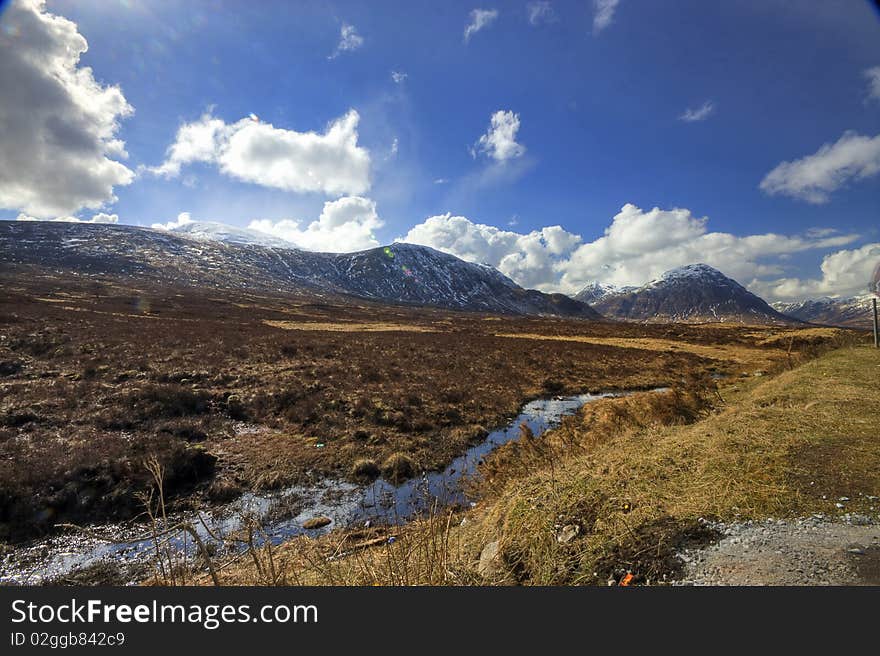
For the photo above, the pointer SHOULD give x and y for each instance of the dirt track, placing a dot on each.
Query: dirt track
(809, 551)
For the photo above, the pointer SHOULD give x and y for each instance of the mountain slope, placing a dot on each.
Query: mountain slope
(400, 273)
(853, 312)
(210, 231)
(596, 291)
(421, 275)
(693, 293)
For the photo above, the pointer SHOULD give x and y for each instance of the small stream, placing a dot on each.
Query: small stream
(280, 514)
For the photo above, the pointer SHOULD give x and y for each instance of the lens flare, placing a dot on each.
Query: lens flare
(143, 305)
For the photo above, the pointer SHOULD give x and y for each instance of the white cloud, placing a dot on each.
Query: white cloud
(701, 113)
(104, 218)
(637, 247)
(844, 273)
(873, 75)
(814, 177)
(345, 225)
(499, 142)
(195, 142)
(182, 219)
(349, 40)
(399, 77)
(58, 124)
(541, 12)
(640, 245)
(101, 217)
(603, 14)
(480, 19)
(257, 152)
(439, 181)
(529, 259)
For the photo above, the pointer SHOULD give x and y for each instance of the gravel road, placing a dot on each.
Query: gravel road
(815, 550)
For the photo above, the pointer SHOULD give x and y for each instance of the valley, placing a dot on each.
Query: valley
(121, 358)
(229, 398)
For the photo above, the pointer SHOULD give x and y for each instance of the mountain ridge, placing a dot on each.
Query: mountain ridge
(399, 273)
(690, 293)
(212, 231)
(847, 312)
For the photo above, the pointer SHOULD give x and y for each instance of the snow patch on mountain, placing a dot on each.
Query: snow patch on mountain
(852, 312)
(210, 231)
(691, 293)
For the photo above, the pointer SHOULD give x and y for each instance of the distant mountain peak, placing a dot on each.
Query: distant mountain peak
(221, 232)
(851, 312)
(596, 291)
(404, 246)
(690, 293)
(693, 271)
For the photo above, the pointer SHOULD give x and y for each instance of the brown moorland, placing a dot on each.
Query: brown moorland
(614, 494)
(233, 391)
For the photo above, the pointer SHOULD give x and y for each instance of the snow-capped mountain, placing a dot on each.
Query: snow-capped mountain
(692, 293)
(596, 291)
(210, 231)
(852, 312)
(421, 275)
(399, 273)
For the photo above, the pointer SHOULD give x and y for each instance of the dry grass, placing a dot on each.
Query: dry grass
(759, 357)
(636, 475)
(227, 402)
(792, 445)
(349, 327)
(86, 396)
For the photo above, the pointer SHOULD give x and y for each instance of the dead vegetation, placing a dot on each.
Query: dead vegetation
(95, 385)
(613, 494)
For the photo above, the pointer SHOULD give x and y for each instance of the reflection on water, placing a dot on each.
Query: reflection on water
(281, 514)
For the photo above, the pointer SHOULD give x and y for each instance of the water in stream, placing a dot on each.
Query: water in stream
(281, 514)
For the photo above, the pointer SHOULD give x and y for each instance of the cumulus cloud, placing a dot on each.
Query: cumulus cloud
(541, 12)
(195, 142)
(345, 225)
(257, 152)
(349, 40)
(603, 14)
(499, 142)
(637, 247)
(873, 75)
(399, 77)
(101, 217)
(845, 273)
(182, 219)
(59, 150)
(104, 218)
(701, 113)
(480, 19)
(640, 245)
(813, 178)
(528, 259)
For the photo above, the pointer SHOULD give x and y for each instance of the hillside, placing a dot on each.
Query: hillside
(224, 258)
(852, 312)
(693, 293)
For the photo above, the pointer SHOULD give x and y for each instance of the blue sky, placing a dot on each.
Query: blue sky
(589, 99)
